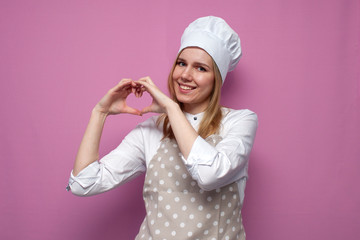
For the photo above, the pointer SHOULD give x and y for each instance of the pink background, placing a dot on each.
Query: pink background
(299, 73)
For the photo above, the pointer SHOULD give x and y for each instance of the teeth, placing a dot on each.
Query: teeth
(185, 87)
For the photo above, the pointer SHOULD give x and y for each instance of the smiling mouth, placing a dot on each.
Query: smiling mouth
(186, 87)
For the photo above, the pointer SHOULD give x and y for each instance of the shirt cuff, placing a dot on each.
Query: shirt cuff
(202, 153)
(86, 178)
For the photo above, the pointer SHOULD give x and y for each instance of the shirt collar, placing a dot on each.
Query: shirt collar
(194, 118)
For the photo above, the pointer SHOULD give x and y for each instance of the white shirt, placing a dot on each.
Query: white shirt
(212, 167)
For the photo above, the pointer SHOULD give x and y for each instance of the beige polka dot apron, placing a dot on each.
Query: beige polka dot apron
(178, 209)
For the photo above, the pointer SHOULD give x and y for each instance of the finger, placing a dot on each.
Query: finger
(137, 90)
(123, 84)
(146, 79)
(131, 110)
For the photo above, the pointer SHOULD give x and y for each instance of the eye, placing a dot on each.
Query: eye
(181, 63)
(201, 69)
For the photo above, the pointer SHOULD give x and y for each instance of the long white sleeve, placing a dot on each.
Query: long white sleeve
(118, 167)
(214, 167)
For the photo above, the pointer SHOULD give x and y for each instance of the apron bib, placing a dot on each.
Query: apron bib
(177, 208)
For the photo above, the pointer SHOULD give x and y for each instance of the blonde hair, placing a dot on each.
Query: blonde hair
(211, 120)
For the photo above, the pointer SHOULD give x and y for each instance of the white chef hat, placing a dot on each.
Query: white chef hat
(217, 38)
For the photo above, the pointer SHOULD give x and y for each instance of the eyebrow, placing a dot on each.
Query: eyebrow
(196, 63)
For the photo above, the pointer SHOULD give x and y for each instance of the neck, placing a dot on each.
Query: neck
(192, 109)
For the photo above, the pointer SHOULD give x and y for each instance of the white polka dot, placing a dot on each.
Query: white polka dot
(233, 229)
(190, 234)
(160, 198)
(231, 189)
(213, 239)
(170, 174)
(206, 232)
(217, 190)
(221, 230)
(162, 145)
(162, 165)
(227, 238)
(159, 214)
(201, 191)
(223, 197)
(182, 225)
(185, 191)
(217, 206)
(167, 224)
(238, 220)
(152, 222)
(222, 214)
(193, 183)
(184, 208)
(151, 166)
(159, 159)
(150, 238)
(171, 158)
(200, 208)
(191, 216)
(228, 221)
(215, 223)
(175, 145)
(177, 199)
(165, 151)
(169, 190)
(234, 196)
(157, 231)
(209, 199)
(155, 173)
(143, 227)
(229, 204)
(184, 176)
(155, 190)
(234, 212)
(208, 215)
(142, 236)
(175, 216)
(150, 181)
(199, 225)
(192, 199)
(177, 167)
(173, 233)
(149, 213)
(161, 182)
(167, 207)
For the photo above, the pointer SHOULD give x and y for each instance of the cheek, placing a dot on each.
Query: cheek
(176, 73)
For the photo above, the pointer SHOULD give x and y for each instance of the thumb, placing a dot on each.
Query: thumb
(131, 110)
(147, 109)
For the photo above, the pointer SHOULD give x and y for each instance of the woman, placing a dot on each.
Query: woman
(195, 153)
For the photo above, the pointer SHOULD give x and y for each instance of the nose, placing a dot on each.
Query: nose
(186, 75)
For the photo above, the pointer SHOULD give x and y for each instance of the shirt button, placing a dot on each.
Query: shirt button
(195, 118)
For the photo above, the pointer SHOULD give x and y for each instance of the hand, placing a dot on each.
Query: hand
(160, 101)
(114, 102)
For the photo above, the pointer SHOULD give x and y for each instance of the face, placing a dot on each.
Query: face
(193, 79)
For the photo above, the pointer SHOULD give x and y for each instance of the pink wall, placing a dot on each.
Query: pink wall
(299, 72)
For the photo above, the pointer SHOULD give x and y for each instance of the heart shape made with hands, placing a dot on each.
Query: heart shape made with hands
(138, 100)
(127, 90)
